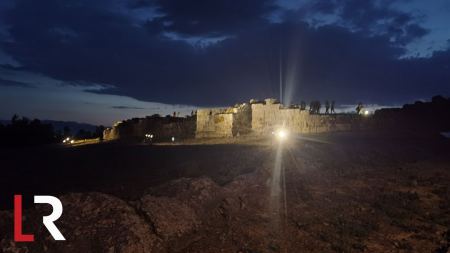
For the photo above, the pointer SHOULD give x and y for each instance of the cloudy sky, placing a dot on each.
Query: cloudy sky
(106, 60)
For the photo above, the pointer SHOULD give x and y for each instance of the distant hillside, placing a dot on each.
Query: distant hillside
(420, 117)
(59, 125)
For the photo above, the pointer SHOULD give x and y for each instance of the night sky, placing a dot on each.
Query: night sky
(106, 60)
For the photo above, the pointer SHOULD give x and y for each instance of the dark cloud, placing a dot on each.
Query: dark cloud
(82, 41)
(373, 17)
(124, 107)
(208, 18)
(4, 82)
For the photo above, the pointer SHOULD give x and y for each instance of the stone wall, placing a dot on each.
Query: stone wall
(214, 123)
(255, 117)
(223, 122)
(242, 119)
(262, 117)
(268, 117)
(162, 128)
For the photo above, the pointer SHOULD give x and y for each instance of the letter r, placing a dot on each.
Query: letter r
(48, 220)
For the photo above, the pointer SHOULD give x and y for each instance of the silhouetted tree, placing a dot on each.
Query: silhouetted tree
(14, 118)
(23, 132)
(66, 131)
(99, 132)
(83, 134)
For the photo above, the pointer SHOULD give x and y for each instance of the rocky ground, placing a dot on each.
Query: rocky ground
(344, 192)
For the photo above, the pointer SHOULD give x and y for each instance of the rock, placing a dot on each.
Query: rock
(170, 217)
(193, 192)
(174, 208)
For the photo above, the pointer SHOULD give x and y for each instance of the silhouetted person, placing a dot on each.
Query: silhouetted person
(327, 107)
(315, 107)
(174, 114)
(359, 108)
(332, 106)
(302, 105)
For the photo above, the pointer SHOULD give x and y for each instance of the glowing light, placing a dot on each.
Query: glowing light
(151, 136)
(72, 141)
(366, 112)
(173, 139)
(281, 134)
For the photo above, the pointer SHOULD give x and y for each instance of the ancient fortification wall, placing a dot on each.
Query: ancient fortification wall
(223, 122)
(162, 129)
(255, 117)
(214, 123)
(265, 117)
(268, 117)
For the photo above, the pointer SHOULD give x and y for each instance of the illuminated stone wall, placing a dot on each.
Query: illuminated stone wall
(214, 123)
(223, 122)
(162, 128)
(268, 117)
(257, 118)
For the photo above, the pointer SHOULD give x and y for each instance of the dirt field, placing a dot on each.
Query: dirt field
(343, 192)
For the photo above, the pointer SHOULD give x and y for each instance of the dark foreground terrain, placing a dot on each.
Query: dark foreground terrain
(347, 192)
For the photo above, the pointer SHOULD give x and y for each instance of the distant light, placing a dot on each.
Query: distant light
(72, 141)
(173, 139)
(151, 136)
(64, 141)
(67, 139)
(366, 112)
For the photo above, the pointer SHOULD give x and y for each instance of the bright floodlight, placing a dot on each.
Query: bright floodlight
(173, 139)
(281, 134)
(366, 112)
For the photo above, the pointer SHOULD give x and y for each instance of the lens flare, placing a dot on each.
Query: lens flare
(281, 134)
